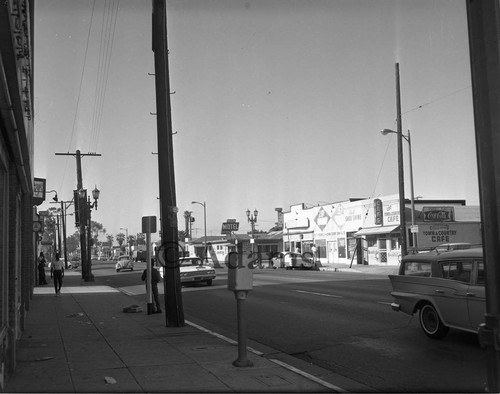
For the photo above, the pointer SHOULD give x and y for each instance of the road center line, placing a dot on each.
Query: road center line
(319, 294)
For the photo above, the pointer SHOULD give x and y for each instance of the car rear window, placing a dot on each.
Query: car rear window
(413, 268)
(481, 279)
(457, 270)
(190, 262)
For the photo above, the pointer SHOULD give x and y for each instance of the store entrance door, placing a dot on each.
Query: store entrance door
(333, 255)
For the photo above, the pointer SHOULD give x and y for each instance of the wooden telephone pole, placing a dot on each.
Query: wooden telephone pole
(81, 206)
(168, 209)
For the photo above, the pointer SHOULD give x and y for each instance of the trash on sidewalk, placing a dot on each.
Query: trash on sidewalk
(132, 308)
(44, 358)
(110, 380)
(75, 314)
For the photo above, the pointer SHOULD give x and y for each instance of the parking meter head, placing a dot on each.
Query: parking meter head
(240, 269)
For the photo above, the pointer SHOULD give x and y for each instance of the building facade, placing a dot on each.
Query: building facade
(367, 231)
(17, 237)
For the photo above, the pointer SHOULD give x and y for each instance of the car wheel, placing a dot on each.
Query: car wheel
(209, 282)
(431, 323)
(118, 270)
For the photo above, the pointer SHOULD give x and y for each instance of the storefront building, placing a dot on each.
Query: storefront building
(267, 246)
(17, 239)
(367, 231)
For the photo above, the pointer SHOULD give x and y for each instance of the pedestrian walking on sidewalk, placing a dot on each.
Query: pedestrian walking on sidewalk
(41, 270)
(57, 272)
(155, 278)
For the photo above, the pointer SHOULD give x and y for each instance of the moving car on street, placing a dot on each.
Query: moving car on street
(192, 269)
(124, 262)
(446, 288)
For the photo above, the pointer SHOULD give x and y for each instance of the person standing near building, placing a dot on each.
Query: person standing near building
(155, 278)
(41, 269)
(57, 272)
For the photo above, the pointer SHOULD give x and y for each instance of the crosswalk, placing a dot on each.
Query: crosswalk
(261, 279)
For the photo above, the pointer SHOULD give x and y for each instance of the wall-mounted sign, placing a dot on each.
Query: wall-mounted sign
(379, 212)
(38, 190)
(297, 223)
(438, 214)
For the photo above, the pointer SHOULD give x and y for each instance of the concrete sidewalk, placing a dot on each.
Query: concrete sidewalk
(82, 341)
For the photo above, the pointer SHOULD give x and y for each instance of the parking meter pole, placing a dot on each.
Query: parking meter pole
(149, 270)
(240, 282)
(242, 360)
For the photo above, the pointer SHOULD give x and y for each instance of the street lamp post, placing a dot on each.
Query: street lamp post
(252, 219)
(126, 239)
(204, 205)
(408, 139)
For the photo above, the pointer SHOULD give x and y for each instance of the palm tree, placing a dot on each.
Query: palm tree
(110, 239)
(120, 238)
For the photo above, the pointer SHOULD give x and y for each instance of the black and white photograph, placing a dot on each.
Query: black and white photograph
(204, 196)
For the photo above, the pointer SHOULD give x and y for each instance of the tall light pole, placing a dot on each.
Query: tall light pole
(126, 235)
(408, 139)
(204, 205)
(252, 219)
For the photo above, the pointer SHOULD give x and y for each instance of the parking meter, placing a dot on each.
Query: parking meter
(240, 281)
(240, 268)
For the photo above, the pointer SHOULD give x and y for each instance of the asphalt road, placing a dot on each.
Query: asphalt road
(339, 321)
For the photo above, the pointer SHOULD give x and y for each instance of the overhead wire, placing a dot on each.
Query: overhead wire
(437, 99)
(79, 94)
(395, 122)
(105, 52)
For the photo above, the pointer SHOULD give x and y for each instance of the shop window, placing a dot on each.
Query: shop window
(321, 248)
(341, 248)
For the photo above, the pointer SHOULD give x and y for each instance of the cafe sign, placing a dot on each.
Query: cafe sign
(438, 214)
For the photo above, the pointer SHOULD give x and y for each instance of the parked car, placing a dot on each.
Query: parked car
(124, 262)
(192, 269)
(446, 288)
(297, 260)
(453, 246)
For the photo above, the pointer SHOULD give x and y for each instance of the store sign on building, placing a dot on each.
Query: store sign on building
(322, 219)
(391, 214)
(379, 212)
(438, 214)
(297, 223)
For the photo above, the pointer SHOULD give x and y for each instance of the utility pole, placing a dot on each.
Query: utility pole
(174, 312)
(402, 216)
(484, 43)
(81, 204)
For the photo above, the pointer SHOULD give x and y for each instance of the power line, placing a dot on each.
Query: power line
(437, 99)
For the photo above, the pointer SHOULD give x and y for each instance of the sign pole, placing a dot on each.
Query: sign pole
(149, 226)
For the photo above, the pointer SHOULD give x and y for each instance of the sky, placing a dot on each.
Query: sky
(274, 103)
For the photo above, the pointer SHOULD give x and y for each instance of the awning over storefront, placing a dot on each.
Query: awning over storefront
(376, 230)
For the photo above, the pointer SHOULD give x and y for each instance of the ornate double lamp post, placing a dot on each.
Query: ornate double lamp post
(252, 219)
